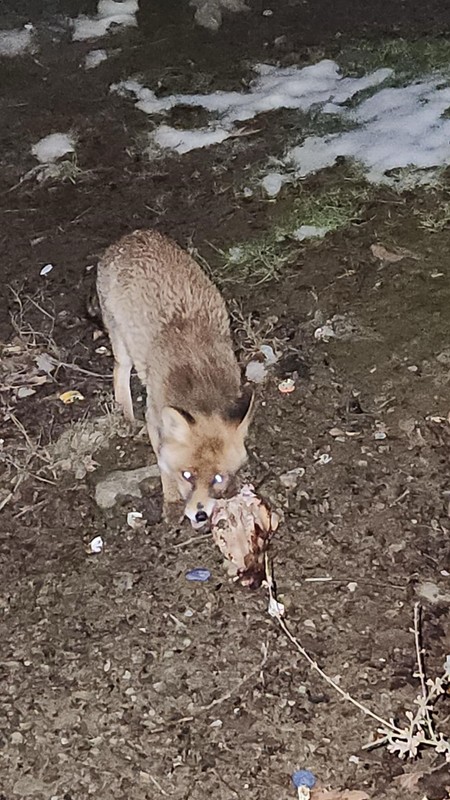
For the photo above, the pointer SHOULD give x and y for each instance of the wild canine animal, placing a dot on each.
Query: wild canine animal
(165, 317)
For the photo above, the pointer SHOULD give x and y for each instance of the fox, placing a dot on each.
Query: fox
(166, 318)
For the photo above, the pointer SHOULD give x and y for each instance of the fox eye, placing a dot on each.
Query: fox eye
(187, 475)
(218, 479)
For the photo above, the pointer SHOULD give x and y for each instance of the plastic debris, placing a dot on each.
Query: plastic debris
(303, 777)
(269, 354)
(200, 574)
(275, 608)
(45, 270)
(255, 371)
(135, 519)
(96, 545)
(287, 386)
(70, 397)
(290, 479)
(324, 333)
(324, 458)
(272, 183)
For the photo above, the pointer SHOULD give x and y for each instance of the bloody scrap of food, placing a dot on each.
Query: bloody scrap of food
(242, 527)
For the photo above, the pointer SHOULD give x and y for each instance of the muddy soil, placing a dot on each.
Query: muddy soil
(120, 679)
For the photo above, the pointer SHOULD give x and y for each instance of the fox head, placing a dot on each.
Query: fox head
(202, 453)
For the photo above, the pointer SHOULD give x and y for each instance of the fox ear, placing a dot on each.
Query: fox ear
(241, 411)
(176, 423)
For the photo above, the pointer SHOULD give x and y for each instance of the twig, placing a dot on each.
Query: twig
(191, 540)
(158, 785)
(314, 665)
(76, 368)
(420, 671)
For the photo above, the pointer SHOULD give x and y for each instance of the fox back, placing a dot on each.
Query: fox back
(165, 317)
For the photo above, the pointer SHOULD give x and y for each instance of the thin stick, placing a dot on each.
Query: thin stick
(158, 785)
(192, 540)
(314, 665)
(420, 668)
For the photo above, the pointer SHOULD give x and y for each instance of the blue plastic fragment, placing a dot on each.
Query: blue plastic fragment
(303, 777)
(198, 574)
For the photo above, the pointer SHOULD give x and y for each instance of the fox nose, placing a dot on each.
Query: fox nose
(201, 516)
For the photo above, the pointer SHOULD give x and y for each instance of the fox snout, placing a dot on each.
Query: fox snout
(199, 512)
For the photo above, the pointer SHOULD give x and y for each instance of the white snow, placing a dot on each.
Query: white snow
(274, 88)
(17, 42)
(310, 232)
(94, 58)
(183, 141)
(397, 127)
(109, 13)
(393, 128)
(52, 147)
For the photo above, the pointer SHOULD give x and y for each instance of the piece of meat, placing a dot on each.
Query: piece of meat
(242, 527)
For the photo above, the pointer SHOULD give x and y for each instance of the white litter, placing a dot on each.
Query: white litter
(94, 58)
(269, 354)
(17, 41)
(275, 608)
(52, 147)
(110, 14)
(290, 479)
(324, 333)
(96, 545)
(325, 458)
(134, 519)
(272, 183)
(310, 232)
(255, 371)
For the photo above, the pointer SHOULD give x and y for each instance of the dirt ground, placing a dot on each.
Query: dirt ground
(119, 678)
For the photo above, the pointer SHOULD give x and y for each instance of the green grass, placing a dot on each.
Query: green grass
(264, 259)
(408, 59)
(434, 221)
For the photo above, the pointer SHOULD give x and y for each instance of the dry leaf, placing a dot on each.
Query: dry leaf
(338, 794)
(408, 780)
(380, 252)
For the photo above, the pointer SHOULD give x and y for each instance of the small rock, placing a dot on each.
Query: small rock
(123, 482)
(16, 738)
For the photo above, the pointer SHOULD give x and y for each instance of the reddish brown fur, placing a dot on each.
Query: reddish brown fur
(165, 316)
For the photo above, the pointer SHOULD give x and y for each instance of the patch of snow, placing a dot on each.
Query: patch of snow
(395, 128)
(94, 58)
(310, 232)
(110, 13)
(53, 147)
(16, 42)
(275, 87)
(182, 141)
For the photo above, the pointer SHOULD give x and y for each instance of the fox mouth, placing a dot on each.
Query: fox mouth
(205, 526)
